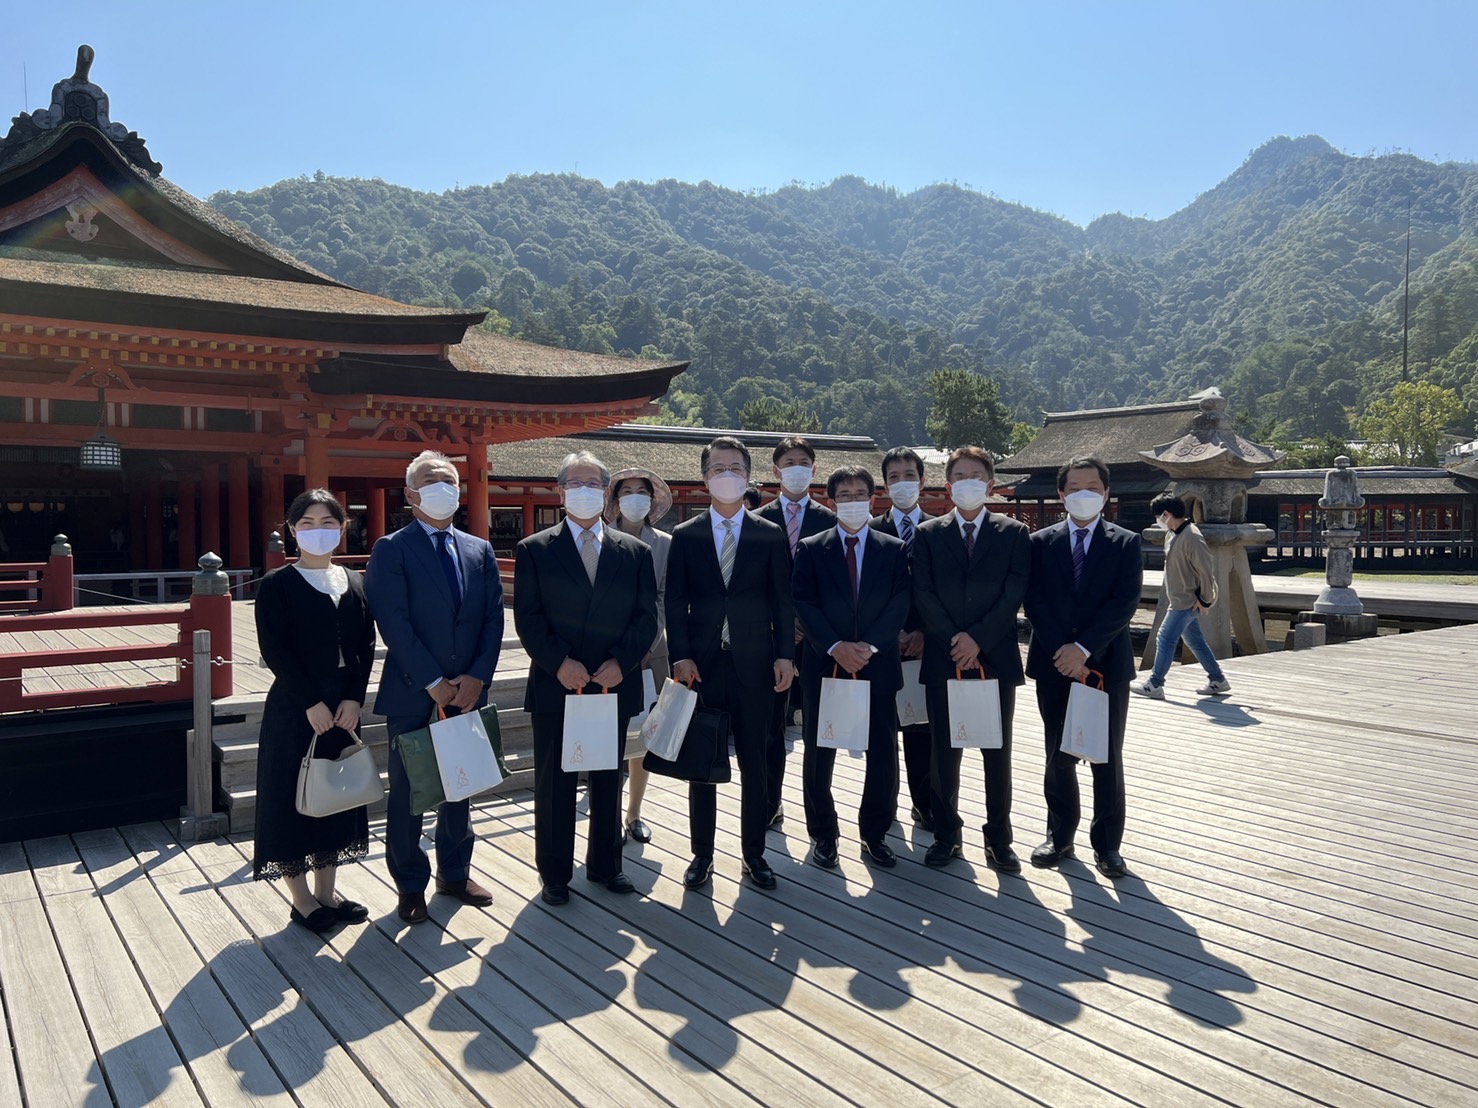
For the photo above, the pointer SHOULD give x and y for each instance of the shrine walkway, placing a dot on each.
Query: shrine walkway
(1301, 926)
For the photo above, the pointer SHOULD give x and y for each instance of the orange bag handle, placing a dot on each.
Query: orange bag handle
(836, 666)
(978, 665)
(1101, 684)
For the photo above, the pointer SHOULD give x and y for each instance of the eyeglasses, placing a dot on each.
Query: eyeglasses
(593, 483)
(737, 469)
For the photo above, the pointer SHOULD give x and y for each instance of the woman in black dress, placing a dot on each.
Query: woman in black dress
(317, 638)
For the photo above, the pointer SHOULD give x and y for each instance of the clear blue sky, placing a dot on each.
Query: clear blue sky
(1075, 108)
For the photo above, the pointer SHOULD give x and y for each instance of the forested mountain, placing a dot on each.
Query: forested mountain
(1282, 284)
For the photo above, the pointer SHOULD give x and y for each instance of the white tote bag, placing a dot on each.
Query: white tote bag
(842, 718)
(911, 708)
(975, 713)
(464, 755)
(330, 785)
(667, 723)
(591, 741)
(648, 699)
(1085, 731)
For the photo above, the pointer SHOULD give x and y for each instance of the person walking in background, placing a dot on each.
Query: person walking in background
(851, 592)
(438, 601)
(636, 501)
(1085, 583)
(903, 473)
(970, 572)
(793, 463)
(730, 627)
(585, 606)
(317, 638)
(1190, 588)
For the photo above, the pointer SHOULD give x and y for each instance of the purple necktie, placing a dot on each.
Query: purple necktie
(969, 529)
(793, 526)
(1080, 553)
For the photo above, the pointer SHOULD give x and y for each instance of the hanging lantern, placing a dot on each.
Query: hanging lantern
(101, 452)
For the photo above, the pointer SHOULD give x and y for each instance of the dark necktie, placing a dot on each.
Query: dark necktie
(1080, 553)
(905, 532)
(969, 529)
(852, 564)
(448, 562)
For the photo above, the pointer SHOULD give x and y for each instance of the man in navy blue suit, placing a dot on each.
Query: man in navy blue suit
(1084, 590)
(438, 603)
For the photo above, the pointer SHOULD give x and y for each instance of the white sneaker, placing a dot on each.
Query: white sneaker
(1215, 688)
(1149, 689)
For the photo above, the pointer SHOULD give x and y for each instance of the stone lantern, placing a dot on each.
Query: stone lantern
(1212, 467)
(1338, 607)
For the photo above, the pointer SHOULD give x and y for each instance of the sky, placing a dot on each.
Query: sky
(1075, 108)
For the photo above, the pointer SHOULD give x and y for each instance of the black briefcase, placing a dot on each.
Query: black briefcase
(704, 755)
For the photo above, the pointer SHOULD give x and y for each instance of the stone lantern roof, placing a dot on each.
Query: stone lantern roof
(1211, 449)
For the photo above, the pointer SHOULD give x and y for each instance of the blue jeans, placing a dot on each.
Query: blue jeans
(1182, 623)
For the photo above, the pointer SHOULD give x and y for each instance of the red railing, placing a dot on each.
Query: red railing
(50, 580)
(209, 609)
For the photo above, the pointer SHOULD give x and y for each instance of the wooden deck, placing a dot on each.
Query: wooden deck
(1301, 926)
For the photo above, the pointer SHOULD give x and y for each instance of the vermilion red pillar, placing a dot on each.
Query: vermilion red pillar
(210, 509)
(477, 490)
(238, 505)
(374, 522)
(154, 524)
(188, 492)
(315, 461)
(274, 500)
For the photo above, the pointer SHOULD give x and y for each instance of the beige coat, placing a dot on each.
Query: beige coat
(1189, 573)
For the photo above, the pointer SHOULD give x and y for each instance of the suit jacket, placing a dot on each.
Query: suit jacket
(979, 595)
(883, 524)
(822, 589)
(756, 602)
(424, 636)
(1096, 613)
(816, 519)
(559, 614)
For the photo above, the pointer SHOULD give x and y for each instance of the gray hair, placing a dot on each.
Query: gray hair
(424, 458)
(584, 458)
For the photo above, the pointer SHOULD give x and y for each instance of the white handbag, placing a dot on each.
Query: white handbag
(975, 713)
(590, 740)
(911, 704)
(843, 715)
(464, 756)
(1085, 729)
(327, 786)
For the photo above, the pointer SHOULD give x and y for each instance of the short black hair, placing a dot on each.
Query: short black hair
(792, 442)
(310, 498)
(849, 473)
(725, 442)
(903, 454)
(1086, 461)
(751, 498)
(978, 453)
(1167, 502)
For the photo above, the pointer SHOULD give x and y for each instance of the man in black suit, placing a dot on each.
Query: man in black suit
(1085, 588)
(851, 592)
(730, 626)
(970, 575)
(793, 462)
(585, 607)
(903, 473)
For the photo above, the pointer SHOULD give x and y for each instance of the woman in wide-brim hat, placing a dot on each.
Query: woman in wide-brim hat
(637, 500)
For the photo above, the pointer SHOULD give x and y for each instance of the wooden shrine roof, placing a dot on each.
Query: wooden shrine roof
(1114, 435)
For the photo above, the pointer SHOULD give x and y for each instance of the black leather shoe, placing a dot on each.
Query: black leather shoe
(758, 870)
(777, 820)
(555, 894)
(940, 853)
(879, 852)
(1002, 858)
(1049, 854)
(921, 819)
(1110, 863)
(824, 853)
(412, 907)
(639, 831)
(350, 911)
(318, 921)
(699, 872)
(619, 884)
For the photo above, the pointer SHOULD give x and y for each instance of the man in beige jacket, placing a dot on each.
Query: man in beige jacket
(1190, 588)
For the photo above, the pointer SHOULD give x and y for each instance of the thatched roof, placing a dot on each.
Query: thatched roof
(1375, 482)
(1114, 435)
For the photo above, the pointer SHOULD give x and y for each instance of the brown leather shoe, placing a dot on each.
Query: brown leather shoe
(412, 907)
(468, 892)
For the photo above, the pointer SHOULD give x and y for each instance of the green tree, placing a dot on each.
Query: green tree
(1021, 435)
(966, 410)
(1409, 425)
(768, 414)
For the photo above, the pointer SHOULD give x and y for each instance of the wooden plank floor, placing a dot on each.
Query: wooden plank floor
(1300, 926)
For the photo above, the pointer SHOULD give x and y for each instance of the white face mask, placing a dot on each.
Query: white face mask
(905, 494)
(1083, 505)
(319, 540)
(969, 494)
(727, 488)
(854, 513)
(440, 500)
(583, 503)
(796, 479)
(635, 506)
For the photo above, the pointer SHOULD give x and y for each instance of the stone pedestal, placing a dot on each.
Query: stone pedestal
(1235, 615)
(1338, 607)
(1342, 628)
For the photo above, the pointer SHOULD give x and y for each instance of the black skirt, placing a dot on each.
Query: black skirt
(288, 843)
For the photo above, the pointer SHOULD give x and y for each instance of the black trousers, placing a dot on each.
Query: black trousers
(1060, 783)
(944, 771)
(784, 704)
(917, 753)
(554, 808)
(749, 711)
(880, 783)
